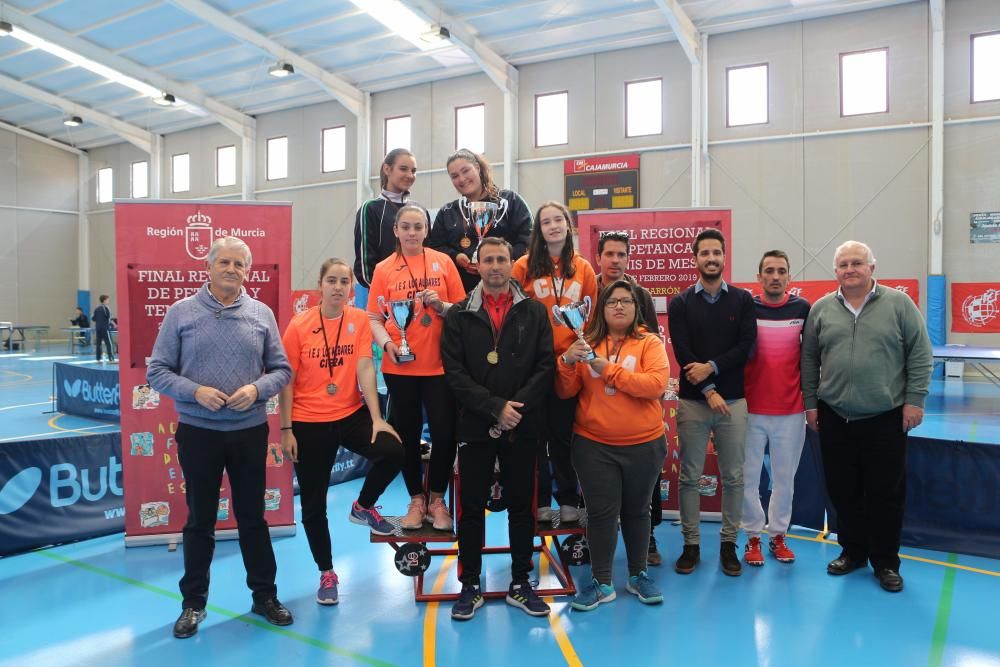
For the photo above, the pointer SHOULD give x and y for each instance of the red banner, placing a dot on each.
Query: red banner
(304, 299)
(975, 307)
(812, 290)
(592, 165)
(161, 248)
(662, 261)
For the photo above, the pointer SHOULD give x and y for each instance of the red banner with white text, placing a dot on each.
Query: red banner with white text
(662, 261)
(975, 307)
(812, 290)
(161, 252)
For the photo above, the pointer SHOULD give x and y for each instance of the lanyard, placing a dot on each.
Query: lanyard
(616, 352)
(503, 322)
(562, 284)
(331, 360)
(423, 256)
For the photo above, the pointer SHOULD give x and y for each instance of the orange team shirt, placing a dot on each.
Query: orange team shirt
(393, 281)
(306, 352)
(634, 413)
(583, 283)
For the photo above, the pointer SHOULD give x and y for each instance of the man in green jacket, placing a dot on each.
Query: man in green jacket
(866, 368)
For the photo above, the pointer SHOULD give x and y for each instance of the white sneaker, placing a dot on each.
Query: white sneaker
(569, 513)
(545, 514)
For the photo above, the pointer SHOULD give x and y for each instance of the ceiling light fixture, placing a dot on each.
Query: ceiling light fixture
(281, 70)
(72, 121)
(436, 35)
(5, 28)
(404, 22)
(165, 100)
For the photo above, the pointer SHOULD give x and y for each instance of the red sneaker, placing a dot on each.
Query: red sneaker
(752, 554)
(780, 550)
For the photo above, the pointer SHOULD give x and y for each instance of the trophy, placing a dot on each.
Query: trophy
(481, 215)
(574, 316)
(401, 312)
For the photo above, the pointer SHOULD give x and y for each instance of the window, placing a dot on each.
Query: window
(105, 181)
(139, 185)
(864, 82)
(180, 170)
(986, 67)
(397, 133)
(225, 166)
(746, 95)
(470, 128)
(552, 119)
(277, 158)
(643, 108)
(334, 149)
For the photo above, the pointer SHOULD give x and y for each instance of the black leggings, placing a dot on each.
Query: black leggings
(407, 395)
(318, 446)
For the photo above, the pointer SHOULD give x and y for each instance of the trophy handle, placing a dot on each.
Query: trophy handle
(463, 205)
(590, 306)
(382, 307)
(501, 209)
(557, 314)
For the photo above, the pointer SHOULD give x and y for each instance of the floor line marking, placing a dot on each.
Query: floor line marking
(312, 641)
(56, 433)
(23, 405)
(431, 613)
(940, 636)
(562, 637)
(919, 559)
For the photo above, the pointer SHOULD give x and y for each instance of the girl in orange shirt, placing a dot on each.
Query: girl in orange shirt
(618, 437)
(553, 273)
(430, 280)
(329, 347)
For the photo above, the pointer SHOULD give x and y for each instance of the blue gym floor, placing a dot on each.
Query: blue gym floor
(97, 603)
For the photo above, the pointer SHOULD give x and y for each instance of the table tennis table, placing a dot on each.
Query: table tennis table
(21, 330)
(979, 357)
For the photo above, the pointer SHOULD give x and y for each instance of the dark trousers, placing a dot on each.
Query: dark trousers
(517, 475)
(864, 463)
(318, 446)
(655, 503)
(559, 416)
(103, 338)
(204, 454)
(407, 395)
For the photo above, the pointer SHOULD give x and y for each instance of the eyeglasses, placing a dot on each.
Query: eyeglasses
(623, 302)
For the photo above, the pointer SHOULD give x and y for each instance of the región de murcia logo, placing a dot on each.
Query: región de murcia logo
(198, 236)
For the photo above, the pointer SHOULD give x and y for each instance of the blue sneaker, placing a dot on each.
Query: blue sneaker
(644, 588)
(593, 594)
(469, 601)
(524, 596)
(327, 593)
(371, 518)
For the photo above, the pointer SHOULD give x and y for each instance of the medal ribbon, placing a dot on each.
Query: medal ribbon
(331, 360)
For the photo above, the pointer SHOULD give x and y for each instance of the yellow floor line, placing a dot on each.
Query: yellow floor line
(930, 561)
(431, 613)
(562, 638)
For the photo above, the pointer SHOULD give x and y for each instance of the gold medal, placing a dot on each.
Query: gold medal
(466, 242)
(493, 357)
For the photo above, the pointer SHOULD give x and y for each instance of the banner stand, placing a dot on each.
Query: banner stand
(171, 540)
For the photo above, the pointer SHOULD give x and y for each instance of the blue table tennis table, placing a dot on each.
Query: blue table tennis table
(979, 357)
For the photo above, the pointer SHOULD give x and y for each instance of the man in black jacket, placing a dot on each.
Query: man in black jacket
(497, 354)
(102, 327)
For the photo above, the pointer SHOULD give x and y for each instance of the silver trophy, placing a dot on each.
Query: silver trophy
(481, 215)
(574, 316)
(401, 312)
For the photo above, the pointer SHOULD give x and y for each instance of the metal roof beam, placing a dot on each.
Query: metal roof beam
(683, 28)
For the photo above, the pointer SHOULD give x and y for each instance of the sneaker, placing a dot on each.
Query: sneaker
(414, 518)
(273, 611)
(728, 560)
(752, 554)
(437, 515)
(187, 623)
(370, 517)
(545, 514)
(469, 600)
(688, 560)
(653, 557)
(327, 593)
(569, 513)
(644, 588)
(780, 550)
(523, 595)
(593, 594)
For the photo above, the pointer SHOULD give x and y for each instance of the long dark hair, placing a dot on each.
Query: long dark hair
(390, 161)
(597, 329)
(409, 206)
(490, 189)
(539, 261)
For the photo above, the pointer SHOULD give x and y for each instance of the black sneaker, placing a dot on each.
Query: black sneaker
(523, 595)
(187, 623)
(469, 600)
(273, 612)
(689, 559)
(728, 559)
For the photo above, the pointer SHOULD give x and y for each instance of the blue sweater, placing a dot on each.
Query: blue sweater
(203, 343)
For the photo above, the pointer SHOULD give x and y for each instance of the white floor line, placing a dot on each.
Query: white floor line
(50, 358)
(25, 405)
(51, 433)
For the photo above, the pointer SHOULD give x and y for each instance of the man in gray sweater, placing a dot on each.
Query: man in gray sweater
(866, 369)
(219, 356)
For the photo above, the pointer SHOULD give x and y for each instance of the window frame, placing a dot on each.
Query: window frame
(322, 149)
(131, 179)
(471, 106)
(535, 115)
(767, 93)
(627, 84)
(173, 173)
(972, 66)
(385, 132)
(840, 65)
(236, 178)
(267, 158)
(111, 180)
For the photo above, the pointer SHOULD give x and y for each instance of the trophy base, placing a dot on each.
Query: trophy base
(403, 358)
(590, 356)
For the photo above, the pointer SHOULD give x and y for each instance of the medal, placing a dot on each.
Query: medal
(331, 389)
(466, 242)
(609, 390)
(426, 319)
(495, 431)
(493, 357)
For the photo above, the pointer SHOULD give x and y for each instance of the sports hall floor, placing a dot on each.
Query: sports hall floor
(97, 603)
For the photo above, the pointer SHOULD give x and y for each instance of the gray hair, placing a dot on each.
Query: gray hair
(229, 242)
(853, 245)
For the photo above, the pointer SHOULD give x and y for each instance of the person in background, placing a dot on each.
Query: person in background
(619, 441)
(80, 320)
(102, 328)
(454, 232)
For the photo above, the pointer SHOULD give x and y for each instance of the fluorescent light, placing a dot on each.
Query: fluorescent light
(401, 20)
(164, 99)
(281, 70)
(73, 121)
(5, 28)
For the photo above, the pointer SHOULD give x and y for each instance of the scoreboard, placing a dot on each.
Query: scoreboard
(609, 182)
